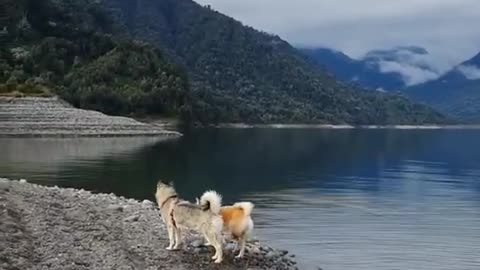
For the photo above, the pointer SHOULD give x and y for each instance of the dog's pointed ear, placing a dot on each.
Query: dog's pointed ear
(170, 183)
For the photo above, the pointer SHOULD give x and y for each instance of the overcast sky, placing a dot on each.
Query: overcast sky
(448, 29)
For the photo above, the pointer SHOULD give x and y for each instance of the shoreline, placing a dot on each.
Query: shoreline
(331, 126)
(65, 228)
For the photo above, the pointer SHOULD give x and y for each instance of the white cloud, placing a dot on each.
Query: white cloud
(411, 74)
(413, 64)
(470, 72)
(447, 28)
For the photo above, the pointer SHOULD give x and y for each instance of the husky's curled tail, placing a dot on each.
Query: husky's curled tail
(211, 201)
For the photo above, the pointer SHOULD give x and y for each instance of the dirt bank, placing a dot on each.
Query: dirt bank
(52, 117)
(56, 228)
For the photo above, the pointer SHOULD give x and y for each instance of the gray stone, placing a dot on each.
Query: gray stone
(23, 181)
(132, 218)
(200, 250)
(255, 250)
(230, 247)
(271, 255)
(4, 186)
(115, 207)
(148, 204)
(197, 243)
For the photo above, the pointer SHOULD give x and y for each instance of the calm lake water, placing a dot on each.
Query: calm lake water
(338, 199)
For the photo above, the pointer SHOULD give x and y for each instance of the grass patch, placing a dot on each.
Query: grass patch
(24, 90)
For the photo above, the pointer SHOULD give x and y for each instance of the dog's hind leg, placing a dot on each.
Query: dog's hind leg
(242, 240)
(208, 237)
(215, 241)
(207, 242)
(217, 244)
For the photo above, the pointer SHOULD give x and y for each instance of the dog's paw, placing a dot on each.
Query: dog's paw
(169, 248)
(218, 260)
(239, 256)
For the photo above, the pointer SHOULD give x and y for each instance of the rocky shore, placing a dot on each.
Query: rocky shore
(52, 117)
(63, 228)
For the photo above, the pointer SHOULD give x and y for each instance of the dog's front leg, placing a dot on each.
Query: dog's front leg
(178, 239)
(171, 236)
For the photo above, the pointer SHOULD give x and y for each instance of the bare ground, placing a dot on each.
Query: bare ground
(53, 117)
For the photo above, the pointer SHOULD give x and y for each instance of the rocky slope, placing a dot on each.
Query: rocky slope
(53, 117)
(54, 228)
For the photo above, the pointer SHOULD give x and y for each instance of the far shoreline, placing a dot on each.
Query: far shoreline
(344, 126)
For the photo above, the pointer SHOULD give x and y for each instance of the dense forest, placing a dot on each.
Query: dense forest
(71, 48)
(201, 65)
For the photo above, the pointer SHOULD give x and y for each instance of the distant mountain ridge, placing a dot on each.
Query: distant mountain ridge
(457, 92)
(382, 69)
(363, 73)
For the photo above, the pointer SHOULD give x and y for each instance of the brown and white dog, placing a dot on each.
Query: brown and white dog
(237, 221)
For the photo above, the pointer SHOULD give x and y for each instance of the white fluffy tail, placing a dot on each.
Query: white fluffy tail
(246, 206)
(212, 201)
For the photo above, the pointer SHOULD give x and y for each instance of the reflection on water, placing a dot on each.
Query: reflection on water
(412, 221)
(339, 199)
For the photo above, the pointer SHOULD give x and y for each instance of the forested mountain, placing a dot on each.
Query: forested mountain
(456, 93)
(83, 50)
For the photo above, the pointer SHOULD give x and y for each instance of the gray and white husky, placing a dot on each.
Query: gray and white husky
(180, 214)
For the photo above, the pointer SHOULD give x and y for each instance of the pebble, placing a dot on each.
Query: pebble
(197, 243)
(23, 181)
(131, 218)
(115, 207)
(4, 186)
(271, 255)
(198, 250)
(230, 246)
(255, 250)
(147, 204)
